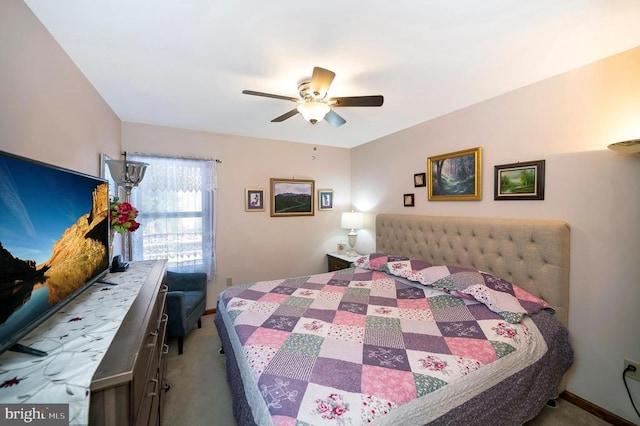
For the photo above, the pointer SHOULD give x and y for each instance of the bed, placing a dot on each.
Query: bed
(451, 321)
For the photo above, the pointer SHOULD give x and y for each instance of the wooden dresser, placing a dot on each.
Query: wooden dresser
(128, 386)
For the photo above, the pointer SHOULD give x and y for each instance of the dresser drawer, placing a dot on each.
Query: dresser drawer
(144, 373)
(335, 263)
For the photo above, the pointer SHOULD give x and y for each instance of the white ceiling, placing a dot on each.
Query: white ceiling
(184, 63)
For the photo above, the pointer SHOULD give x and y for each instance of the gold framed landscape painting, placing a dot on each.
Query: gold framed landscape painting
(456, 176)
(292, 197)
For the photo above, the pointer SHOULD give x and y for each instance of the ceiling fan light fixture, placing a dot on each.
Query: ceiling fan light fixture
(313, 104)
(313, 110)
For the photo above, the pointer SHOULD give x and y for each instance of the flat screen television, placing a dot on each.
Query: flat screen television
(54, 242)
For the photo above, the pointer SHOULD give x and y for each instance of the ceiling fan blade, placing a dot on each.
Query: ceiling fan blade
(270, 95)
(357, 101)
(334, 119)
(285, 116)
(321, 80)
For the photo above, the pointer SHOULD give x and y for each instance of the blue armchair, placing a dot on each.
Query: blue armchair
(186, 302)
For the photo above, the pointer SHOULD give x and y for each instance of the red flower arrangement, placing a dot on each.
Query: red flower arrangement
(123, 216)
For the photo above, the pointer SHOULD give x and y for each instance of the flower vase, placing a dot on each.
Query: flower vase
(112, 235)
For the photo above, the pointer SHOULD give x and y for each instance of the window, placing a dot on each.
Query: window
(176, 212)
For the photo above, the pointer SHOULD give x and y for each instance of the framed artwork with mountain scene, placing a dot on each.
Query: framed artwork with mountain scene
(292, 197)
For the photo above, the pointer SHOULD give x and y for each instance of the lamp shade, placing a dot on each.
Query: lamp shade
(627, 147)
(126, 173)
(352, 220)
(313, 111)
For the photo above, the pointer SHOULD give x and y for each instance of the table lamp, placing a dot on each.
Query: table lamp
(352, 220)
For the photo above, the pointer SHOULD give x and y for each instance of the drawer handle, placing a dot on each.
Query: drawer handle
(155, 340)
(155, 388)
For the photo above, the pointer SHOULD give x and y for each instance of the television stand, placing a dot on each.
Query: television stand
(111, 368)
(23, 349)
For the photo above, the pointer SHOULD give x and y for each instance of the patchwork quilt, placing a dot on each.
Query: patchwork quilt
(363, 346)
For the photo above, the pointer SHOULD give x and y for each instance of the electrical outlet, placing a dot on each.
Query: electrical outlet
(229, 282)
(635, 375)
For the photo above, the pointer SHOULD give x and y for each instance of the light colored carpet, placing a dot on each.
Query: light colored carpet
(200, 396)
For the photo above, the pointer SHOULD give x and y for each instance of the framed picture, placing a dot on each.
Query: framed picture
(519, 181)
(455, 176)
(292, 197)
(105, 173)
(325, 199)
(409, 200)
(254, 200)
(420, 179)
(342, 248)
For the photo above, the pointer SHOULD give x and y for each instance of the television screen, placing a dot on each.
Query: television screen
(54, 241)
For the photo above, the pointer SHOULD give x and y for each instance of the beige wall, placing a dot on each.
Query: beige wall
(568, 121)
(48, 109)
(50, 112)
(253, 245)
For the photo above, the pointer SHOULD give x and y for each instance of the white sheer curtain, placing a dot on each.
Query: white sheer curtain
(176, 201)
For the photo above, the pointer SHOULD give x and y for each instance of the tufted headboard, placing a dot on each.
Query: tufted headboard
(534, 254)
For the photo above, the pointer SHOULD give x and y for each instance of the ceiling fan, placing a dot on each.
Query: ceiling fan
(313, 103)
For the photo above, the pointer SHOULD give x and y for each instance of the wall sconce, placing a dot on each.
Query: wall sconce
(627, 147)
(352, 220)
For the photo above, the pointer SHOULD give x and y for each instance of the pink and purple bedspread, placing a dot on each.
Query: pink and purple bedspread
(363, 346)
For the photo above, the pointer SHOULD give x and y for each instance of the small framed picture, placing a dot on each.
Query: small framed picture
(420, 179)
(342, 248)
(254, 200)
(409, 200)
(519, 181)
(325, 199)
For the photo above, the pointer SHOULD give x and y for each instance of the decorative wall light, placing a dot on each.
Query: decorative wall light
(627, 147)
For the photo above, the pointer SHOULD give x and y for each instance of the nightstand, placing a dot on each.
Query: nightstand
(339, 261)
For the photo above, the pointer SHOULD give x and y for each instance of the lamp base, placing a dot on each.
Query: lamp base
(353, 236)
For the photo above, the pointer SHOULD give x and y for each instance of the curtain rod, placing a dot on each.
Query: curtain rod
(182, 157)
